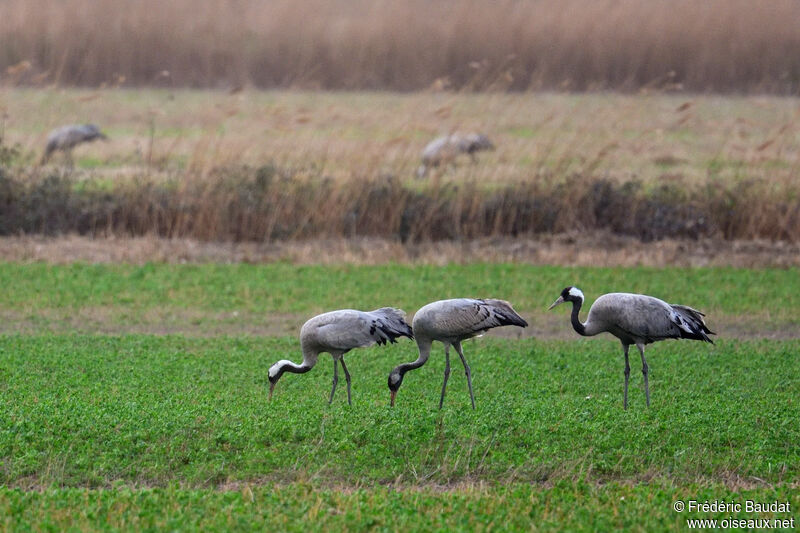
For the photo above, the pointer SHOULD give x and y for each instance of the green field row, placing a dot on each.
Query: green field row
(93, 411)
(302, 507)
(29, 288)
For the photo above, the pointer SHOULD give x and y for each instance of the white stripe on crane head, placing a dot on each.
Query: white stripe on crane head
(273, 370)
(575, 292)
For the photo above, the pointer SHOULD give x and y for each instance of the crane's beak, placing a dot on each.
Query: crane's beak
(394, 393)
(271, 387)
(557, 302)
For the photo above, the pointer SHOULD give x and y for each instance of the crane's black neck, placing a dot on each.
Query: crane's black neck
(293, 368)
(405, 367)
(302, 369)
(576, 322)
(400, 370)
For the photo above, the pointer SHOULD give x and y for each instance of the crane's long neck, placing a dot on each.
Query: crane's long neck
(579, 326)
(284, 365)
(396, 375)
(294, 368)
(424, 347)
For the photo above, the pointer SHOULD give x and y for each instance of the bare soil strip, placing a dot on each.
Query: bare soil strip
(192, 323)
(578, 249)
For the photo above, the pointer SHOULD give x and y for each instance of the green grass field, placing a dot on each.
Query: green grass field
(205, 294)
(121, 430)
(573, 506)
(145, 410)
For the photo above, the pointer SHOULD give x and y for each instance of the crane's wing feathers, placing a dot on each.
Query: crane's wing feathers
(343, 331)
(690, 323)
(504, 314)
(387, 324)
(477, 316)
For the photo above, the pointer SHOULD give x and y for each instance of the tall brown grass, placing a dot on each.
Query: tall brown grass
(710, 45)
(268, 204)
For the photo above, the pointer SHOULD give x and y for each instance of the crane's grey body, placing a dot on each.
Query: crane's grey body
(68, 137)
(445, 149)
(338, 332)
(450, 322)
(635, 319)
(640, 319)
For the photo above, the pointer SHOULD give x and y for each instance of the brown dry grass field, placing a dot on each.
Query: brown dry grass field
(278, 165)
(715, 45)
(595, 249)
(654, 138)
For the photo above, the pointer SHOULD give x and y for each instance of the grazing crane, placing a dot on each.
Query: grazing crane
(338, 332)
(635, 319)
(445, 149)
(68, 137)
(450, 322)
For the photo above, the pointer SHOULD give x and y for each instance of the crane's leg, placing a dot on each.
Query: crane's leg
(347, 377)
(466, 371)
(627, 375)
(644, 373)
(335, 380)
(446, 372)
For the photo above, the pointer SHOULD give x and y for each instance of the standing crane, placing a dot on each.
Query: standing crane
(443, 150)
(338, 332)
(68, 137)
(635, 319)
(450, 322)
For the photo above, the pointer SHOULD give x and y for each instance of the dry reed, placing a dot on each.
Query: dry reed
(288, 166)
(269, 204)
(717, 45)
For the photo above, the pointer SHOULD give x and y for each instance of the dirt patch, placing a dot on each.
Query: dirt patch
(194, 323)
(579, 249)
(113, 321)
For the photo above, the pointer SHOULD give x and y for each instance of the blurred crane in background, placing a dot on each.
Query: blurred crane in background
(444, 150)
(68, 137)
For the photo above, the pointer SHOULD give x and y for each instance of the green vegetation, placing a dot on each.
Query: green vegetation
(152, 431)
(145, 410)
(769, 293)
(303, 507)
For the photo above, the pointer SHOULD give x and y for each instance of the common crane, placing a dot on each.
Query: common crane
(450, 322)
(635, 319)
(338, 332)
(66, 138)
(445, 149)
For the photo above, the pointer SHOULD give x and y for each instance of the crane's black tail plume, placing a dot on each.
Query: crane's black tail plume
(691, 324)
(388, 324)
(506, 314)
